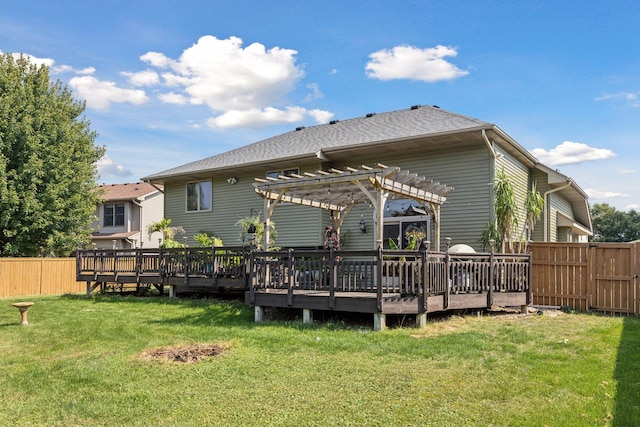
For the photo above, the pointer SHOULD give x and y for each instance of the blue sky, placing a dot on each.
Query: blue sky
(168, 82)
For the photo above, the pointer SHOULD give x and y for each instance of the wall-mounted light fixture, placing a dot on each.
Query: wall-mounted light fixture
(232, 180)
(362, 223)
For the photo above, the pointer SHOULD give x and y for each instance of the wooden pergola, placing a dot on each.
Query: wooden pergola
(339, 191)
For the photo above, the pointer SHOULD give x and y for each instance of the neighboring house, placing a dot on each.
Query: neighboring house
(125, 213)
(462, 152)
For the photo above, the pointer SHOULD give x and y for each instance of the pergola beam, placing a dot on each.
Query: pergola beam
(339, 190)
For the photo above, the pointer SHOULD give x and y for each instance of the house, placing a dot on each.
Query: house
(464, 153)
(125, 213)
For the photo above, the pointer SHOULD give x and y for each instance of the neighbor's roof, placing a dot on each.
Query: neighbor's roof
(132, 191)
(392, 126)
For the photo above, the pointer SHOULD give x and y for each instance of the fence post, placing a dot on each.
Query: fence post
(379, 280)
(290, 278)
(529, 276)
(591, 280)
(422, 297)
(491, 278)
(252, 277)
(447, 275)
(332, 277)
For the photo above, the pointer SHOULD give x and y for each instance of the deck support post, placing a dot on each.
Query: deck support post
(379, 322)
(421, 320)
(172, 291)
(258, 314)
(524, 309)
(307, 316)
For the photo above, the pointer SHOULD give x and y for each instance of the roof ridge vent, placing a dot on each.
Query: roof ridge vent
(299, 128)
(415, 107)
(370, 115)
(333, 122)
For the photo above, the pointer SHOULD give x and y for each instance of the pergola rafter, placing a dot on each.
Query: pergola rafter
(340, 191)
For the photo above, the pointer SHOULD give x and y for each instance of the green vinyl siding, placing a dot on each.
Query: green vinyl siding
(467, 208)
(230, 203)
(519, 176)
(558, 204)
(465, 214)
(542, 185)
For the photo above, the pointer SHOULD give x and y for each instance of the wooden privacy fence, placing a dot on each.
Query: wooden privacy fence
(38, 276)
(587, 276)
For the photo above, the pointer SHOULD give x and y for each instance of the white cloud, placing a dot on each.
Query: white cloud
(100, 94)
(263, 117)
(631, 98)
(173, 98)
(225, 76)
(603, 195)
(571, 152)
(627, 171)
(314, 92)
(242, 86)
(106, 166)
(156, 59)
(408, 62)
(320, 116)
(58, 69)
(143, 78)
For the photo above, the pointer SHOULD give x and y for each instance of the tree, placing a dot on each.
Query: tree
(506, 208)
(533, 206)
(47, 164)
(611, 225)
(505, 205)
(168, 233)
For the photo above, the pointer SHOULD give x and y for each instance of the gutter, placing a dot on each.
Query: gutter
(161, 190)
(547, 208)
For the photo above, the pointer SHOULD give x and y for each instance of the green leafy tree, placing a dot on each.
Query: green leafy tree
(205, 238)
(533, 206)
(611, 225)
(168, 232)
(47, 164)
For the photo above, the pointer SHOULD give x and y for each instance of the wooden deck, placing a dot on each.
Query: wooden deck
(378, 282)
(387, 282)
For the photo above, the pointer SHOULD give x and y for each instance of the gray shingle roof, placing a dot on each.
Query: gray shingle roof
(394, 125)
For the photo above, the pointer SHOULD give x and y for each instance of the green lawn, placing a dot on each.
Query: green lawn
(82, 362)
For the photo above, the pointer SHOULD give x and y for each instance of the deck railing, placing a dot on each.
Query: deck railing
(185, 263)
(382, 272)
(396, 272)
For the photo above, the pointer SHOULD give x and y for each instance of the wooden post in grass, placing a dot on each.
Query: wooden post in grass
(258, 314)
(307, 316)
(379, 322)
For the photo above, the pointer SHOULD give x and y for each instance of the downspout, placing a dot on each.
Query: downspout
(547, 208)
(140, 219)
(492, 171)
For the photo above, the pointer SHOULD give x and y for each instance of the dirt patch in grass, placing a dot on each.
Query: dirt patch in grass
(186, 353)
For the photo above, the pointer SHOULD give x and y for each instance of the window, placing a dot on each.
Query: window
(198, 196)
(403, 220)
(286, 172)
(113, 215)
